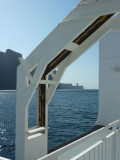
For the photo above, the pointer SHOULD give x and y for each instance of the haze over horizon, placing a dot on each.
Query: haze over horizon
(25, 24)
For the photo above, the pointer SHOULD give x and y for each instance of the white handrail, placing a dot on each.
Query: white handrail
(57, 153)
(33, 131)
(1, 158)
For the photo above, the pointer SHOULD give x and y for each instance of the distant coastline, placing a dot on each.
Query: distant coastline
(77, 90)
(8, 72)
(8, 69)
(59, 90)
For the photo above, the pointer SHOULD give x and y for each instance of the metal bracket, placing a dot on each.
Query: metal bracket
(22, 61)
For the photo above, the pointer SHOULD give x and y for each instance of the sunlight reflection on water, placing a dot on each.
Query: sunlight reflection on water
(70, 114)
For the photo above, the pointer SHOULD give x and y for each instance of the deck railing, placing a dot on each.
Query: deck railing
(103, 144)
(2, 158)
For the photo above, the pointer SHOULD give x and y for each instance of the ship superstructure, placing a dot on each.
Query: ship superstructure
(90, 21)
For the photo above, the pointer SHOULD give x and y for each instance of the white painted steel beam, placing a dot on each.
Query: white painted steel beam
(116, 24)
(109, 75)
(94, 8)
(24, 65)
(57, 77)
(85, 15)
(36, 130)
(60, 39)
(47, 82)
(101, 32)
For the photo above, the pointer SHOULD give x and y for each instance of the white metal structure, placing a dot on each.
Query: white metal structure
(86, 24)
(109, 76)
(103, 144)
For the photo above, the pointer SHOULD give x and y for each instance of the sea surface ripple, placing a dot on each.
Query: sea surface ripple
(70, 113)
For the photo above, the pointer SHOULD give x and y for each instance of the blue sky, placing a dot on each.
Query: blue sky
(24, 24)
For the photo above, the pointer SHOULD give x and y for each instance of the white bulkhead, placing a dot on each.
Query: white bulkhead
(109, 76)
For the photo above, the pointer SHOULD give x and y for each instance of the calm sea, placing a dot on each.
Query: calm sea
(71, 112)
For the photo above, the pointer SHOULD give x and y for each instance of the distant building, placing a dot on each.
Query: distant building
(66, 85)
(69, 86)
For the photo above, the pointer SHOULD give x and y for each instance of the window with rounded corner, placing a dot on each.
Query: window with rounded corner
(73, 109)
